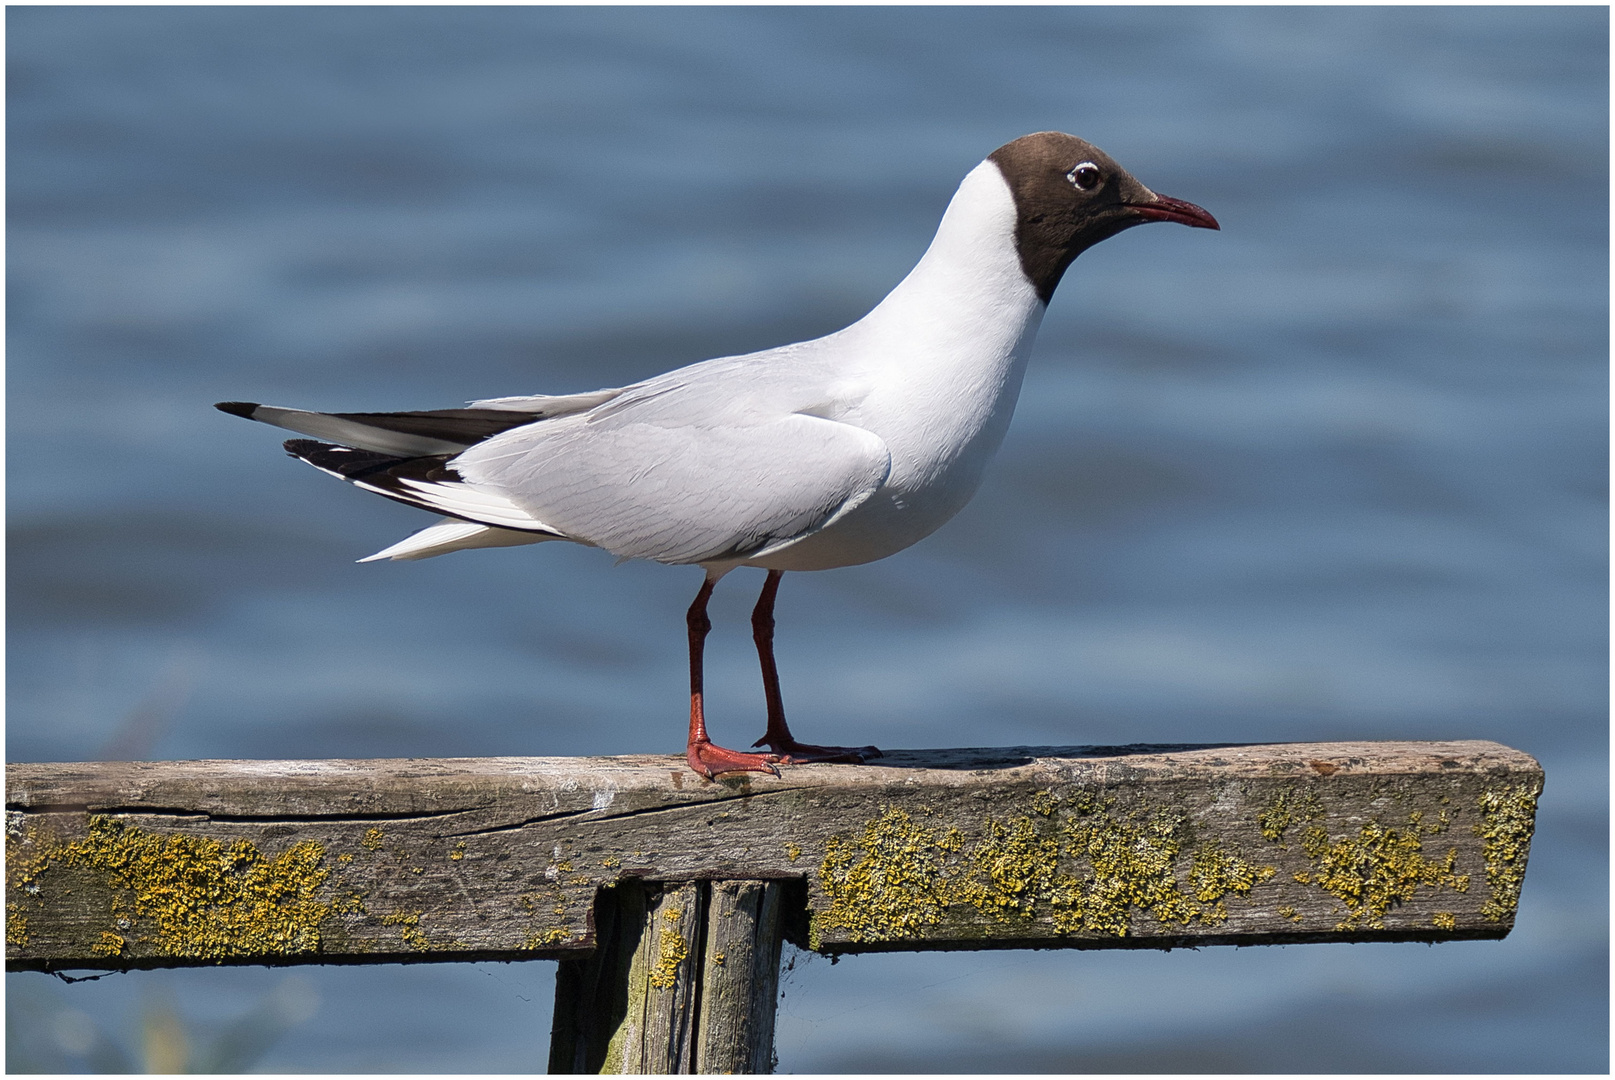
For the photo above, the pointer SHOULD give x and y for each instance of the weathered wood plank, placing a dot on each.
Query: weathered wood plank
(168, 863)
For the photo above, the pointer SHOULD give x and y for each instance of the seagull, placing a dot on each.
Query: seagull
(825, 453)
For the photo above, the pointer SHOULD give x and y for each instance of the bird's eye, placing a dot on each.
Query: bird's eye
(1084, 177)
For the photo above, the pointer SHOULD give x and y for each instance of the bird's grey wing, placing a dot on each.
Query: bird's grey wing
(687, 477)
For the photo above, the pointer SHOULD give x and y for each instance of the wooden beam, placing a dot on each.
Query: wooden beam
(163, 864)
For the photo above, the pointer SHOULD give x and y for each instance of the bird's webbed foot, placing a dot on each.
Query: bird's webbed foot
(792, 752)
(709, 760)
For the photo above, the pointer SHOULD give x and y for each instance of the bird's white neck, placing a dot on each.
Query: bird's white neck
(944, 353)
(968, 294)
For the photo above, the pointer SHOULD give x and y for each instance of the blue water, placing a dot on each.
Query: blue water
(1337, 471)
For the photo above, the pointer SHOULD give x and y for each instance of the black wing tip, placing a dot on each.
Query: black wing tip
(243, 409)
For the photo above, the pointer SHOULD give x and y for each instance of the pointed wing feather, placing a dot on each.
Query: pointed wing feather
(412, 434)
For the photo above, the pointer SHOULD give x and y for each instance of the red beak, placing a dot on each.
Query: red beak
(1165, 208)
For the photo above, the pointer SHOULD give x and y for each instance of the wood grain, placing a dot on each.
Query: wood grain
(158, 864)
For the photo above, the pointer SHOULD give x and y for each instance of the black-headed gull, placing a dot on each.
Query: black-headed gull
(831, 452)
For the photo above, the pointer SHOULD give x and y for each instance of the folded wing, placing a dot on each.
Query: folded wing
(683, 487)
(667, 471)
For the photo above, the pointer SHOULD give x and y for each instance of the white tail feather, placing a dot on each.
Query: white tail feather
(452, 534)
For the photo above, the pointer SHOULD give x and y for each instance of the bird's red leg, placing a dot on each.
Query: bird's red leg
(778, 736)
(703, 756)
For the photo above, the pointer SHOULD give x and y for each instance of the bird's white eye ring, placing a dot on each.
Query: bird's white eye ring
(1084, 177)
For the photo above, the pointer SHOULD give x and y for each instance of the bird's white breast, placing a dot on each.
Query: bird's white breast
(935, 372)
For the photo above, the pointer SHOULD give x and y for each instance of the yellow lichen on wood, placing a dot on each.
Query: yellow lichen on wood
(1378, 868)
(409, 928)
(1013, 868)
(194, 896)
(1214, 872)
(372, 839)
(538, 939)
(550, 900)
(888, 883)
(672, 951)
(1131, 865)
(1088, 871)
(24, 861)
(1510, 814)
(1287, 808)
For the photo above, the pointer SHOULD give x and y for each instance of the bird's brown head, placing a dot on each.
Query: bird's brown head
(1069, 195)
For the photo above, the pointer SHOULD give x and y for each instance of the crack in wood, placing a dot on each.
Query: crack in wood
(242, 819)
(517, 826)
(705, 804)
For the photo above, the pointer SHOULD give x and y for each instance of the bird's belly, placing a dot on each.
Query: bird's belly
(911, 505)
(883, 525)
(941, 436)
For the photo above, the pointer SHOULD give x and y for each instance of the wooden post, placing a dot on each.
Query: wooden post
(683, 980)
(740, 977)
(665, 896)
